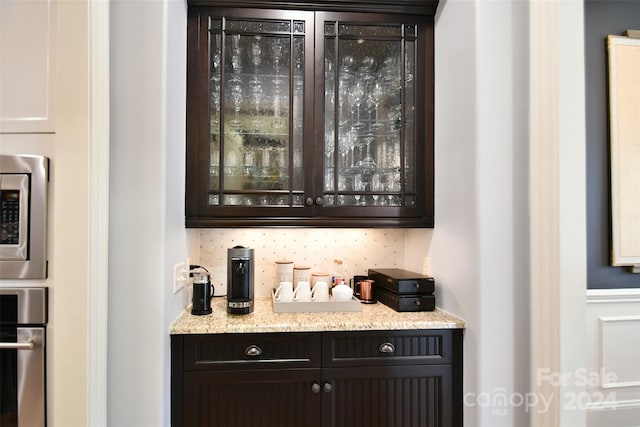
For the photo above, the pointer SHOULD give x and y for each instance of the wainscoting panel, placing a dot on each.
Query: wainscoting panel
(620, 350)
(612, 375)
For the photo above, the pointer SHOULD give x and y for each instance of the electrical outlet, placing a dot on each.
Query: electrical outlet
(180, 275)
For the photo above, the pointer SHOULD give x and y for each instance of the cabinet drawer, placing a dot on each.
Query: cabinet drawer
(251, 351)
(372, 348)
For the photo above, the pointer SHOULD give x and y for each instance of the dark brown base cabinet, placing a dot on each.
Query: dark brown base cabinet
(331, 379)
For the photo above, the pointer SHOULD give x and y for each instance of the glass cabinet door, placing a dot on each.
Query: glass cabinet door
(256, 110)
(369, 142)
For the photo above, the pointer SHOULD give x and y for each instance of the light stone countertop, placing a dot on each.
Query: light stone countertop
(372, 317)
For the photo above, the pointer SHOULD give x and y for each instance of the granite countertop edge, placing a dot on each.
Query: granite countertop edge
(264, 320)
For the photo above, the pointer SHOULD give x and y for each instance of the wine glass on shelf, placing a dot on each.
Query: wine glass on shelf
(236, 97)
(358, 185)
(346, 67)
(343, 147)
(391, 74)
(392, 184)
(358, 96)
(236, 55)
(256, 59)
(366, 71)
(376, 96)
(329, 143)
(257, 100)
(351, 139)
(345, 88)
(367, 164)
(276, 54)
(376, 187)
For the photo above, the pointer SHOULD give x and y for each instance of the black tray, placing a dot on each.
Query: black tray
(405, 302)
(402, 282)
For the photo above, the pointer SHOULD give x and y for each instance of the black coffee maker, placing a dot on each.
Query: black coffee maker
(202, 292)
(240, 280)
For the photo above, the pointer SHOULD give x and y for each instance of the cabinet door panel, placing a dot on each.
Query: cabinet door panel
(248, 399)
(252, 102)
(28, 38)
(409, 396)
(373, 115)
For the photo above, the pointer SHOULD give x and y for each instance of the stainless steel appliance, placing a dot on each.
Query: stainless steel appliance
(23, 319)
(240, 280)
(23, 216)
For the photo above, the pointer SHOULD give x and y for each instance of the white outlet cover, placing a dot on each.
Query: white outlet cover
(178, 276)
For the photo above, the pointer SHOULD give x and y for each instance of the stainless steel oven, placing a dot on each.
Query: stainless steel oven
(23, 216)
(23, 319)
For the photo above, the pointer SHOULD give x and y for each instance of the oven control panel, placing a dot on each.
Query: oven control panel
(14, 216)
(9, 217)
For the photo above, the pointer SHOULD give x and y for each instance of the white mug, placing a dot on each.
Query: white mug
(284, 292)
(319, 277)
(320, 292)
(342, 293)
(301, 274)
(302, 292)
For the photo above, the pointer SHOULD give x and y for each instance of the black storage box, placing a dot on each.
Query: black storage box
(403, 290)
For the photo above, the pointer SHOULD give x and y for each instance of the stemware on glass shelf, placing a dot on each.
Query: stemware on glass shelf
(376, 187)
(368, 121)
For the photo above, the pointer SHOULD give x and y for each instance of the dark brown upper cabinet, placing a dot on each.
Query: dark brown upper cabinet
(310, 114)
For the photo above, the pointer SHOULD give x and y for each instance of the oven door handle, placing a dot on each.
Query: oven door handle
(27, 345)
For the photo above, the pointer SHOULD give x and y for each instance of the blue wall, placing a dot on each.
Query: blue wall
(601, 19)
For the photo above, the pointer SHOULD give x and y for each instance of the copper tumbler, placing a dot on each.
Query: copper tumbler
(364, 291)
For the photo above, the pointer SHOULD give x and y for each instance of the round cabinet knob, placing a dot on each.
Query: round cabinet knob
(327, 388)
(417, 285)
(253, 350)
(315, 387)
(386, 348)
(319, 201)
(308, 201)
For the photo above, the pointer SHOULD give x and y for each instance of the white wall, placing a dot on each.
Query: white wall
(479, 248)
(147, 234)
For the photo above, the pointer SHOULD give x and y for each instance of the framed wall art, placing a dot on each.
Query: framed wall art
(624, 134)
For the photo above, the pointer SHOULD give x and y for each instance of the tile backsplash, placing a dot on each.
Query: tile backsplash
(359, 249)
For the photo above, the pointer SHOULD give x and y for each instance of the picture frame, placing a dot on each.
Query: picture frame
(624, 135)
